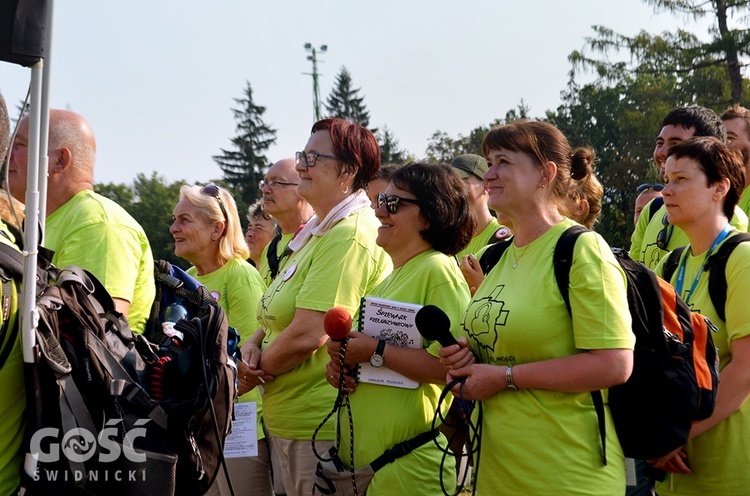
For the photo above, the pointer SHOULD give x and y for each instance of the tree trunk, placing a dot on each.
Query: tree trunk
(730, 48)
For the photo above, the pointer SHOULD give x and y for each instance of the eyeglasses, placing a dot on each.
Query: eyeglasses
(392, 201)
(310, 159)
(662, 239)
(274, 184)
(645, 186)
(213, 190)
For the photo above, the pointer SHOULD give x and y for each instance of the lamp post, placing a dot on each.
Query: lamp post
(316, 88)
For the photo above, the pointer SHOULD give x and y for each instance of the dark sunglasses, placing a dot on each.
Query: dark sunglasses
(213, 190)
(645, 186)
(662, 239)
(392, 201)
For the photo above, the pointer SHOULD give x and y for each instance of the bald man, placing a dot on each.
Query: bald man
(281, 201)
(84, 228)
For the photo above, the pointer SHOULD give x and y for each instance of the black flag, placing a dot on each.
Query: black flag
(23, 31)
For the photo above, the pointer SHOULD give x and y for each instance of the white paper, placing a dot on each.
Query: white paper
(630, 476)
(243, 441)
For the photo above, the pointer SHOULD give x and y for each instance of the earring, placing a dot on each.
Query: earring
(345, 190)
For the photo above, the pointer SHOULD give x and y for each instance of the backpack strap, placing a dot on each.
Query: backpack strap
(654, 206)
(717, 272)
(493, 254)
(673, 261)
(273, 259)
(563, 260)
(402, 449)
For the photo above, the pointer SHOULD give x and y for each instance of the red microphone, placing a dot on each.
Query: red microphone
(337, 323)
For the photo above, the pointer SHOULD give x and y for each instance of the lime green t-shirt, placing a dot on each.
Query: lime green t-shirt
(95, 233)
(237, 287)
(263, 269)
(720, 457)
(744, 203)
(643, 246)
(385, 416)
(480, 240)
(335, 269)
(12, 404)
(538, 441)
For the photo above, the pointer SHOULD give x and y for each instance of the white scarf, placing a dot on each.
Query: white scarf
(350, 205)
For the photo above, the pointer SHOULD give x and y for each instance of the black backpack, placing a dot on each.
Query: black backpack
(675, 369)
(93, 415)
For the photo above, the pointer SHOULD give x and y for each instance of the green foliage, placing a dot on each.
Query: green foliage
(344, 101)
(246, 164)
(390, 152)
(150, 200)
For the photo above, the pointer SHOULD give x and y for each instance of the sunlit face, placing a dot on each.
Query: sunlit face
(687, 195)
(399, 232)
(738, 138)
(18, 162)
(191, 233)
(668, 136)
(284, 198)
(316, 184)
(476, 187)
(642, 200)
(511, 179)
(259, 233)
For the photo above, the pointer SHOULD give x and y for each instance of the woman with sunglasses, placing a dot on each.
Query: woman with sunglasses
(706, 180)
(646, 192)
(334, 262)
(537, 363)
(207, 233)
(426, 218)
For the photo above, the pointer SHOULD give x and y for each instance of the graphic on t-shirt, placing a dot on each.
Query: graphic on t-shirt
(267, 298)
(654, 253)
(479, 324)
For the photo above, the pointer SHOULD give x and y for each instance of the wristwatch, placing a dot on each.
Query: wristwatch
(377, 360)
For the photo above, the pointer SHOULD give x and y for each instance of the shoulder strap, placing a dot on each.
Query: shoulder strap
(403, 448)
(654, 206)
(563, 260)
(670, 266)
(273, 259)
(493, 254)
(717, 272)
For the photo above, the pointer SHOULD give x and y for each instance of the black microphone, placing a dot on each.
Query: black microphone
(434, 325)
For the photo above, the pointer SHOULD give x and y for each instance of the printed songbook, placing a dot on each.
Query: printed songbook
(393, 322)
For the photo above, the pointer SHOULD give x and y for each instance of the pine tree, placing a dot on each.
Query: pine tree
(246, 164)
(345, 102)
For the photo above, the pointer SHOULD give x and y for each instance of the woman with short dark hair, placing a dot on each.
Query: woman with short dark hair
(426, 218)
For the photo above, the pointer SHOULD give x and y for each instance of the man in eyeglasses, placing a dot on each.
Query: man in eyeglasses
(737, 121)
(281, 201)
(84, 228)
(654, 237)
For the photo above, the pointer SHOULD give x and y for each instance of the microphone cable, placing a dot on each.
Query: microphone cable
(473, 442)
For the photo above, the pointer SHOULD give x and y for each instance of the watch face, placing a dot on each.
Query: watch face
(376, 360)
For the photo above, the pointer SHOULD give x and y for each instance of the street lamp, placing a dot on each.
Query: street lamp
(316, 89)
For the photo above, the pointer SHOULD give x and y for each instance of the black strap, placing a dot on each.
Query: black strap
(716, 266)
(8, 335)
(493, 254)
(273, 259)
(654, 206)
(673, 261)
(403, 448)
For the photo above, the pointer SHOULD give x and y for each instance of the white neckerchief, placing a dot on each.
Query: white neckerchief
(350, 205)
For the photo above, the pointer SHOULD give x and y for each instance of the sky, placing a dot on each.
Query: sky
(156, 79)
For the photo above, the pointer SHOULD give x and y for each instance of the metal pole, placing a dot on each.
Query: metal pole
(44, 123)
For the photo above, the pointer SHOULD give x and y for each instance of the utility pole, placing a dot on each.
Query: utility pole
(316, 88)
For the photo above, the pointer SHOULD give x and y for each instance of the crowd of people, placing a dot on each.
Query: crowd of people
(334, 226)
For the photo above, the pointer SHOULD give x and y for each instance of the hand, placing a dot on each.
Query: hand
(674, 462)
(456, 356)
(359, 348)
(333, 375)
(481, 381)
(472, 272)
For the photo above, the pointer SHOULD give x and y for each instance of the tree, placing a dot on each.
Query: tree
(150, 200)
(345, 102)
(681, 53)
(390, 153)
(245, 165)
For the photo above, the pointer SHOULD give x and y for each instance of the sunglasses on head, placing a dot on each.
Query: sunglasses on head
(662, 239)
(645, 186)
(213, 190)
(392, 201)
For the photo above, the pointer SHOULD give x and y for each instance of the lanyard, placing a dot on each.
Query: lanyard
(681, 274)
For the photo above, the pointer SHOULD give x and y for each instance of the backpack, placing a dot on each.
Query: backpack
(111, 412)
(675, 368)
(716, 265)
